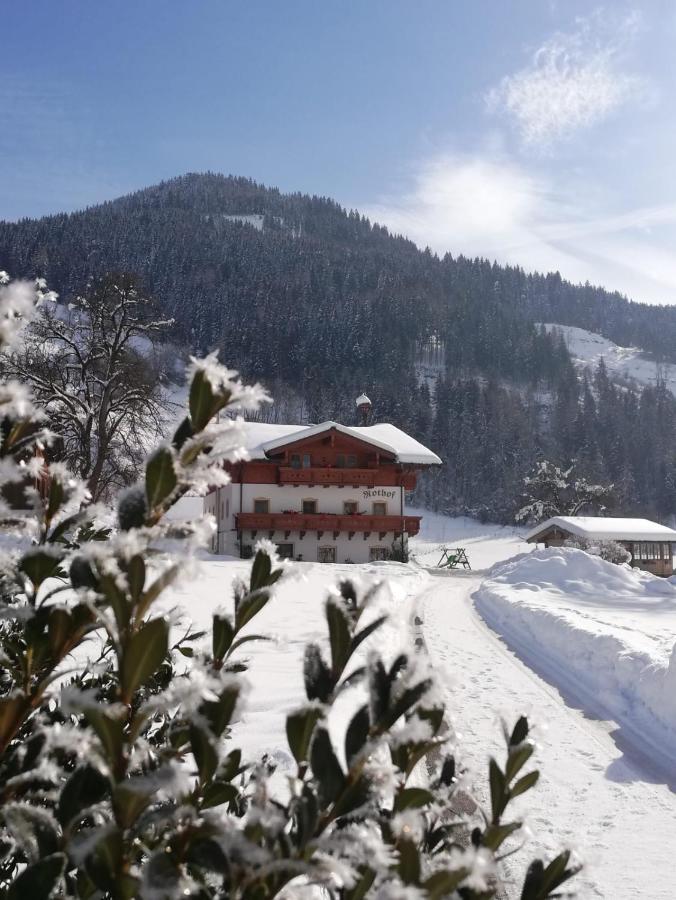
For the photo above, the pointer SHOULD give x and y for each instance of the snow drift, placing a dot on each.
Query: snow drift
(601, 631)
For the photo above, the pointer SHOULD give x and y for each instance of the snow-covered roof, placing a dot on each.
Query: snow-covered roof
(362, 400)
(262, 438)
(606, 528)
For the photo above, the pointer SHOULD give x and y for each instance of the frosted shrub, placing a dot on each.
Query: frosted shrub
(119, 775)
(610, 551)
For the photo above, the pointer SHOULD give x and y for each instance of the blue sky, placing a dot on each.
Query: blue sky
(533, 132)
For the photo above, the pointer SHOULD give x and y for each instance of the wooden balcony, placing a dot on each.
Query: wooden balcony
(346, 477)
(325, 522)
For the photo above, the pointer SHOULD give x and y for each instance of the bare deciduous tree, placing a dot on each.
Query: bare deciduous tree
(93, 368)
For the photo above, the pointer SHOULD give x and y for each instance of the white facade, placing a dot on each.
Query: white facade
(226, 502)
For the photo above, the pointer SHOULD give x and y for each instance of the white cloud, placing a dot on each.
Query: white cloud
(493, 208)
(573, 81)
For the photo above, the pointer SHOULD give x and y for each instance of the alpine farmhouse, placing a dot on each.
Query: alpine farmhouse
(322, 493)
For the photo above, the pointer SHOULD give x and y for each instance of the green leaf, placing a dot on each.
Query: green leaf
(86, 786)
(524, 784)
(183, 433)
(442, 884)
(357, 734)
(222, 635)
(219, 712)
(108, 727)
(55, 499)
(129, 801)
(498, 787)
(409, 862)
(557, 872)
(355, 795)
(202, 403)
(206, 757)
(246, 640)
(406, 701)
(299, 728)
(82, 575)
(494, 836)
(260, 571)
(34, 829)
(219, 792)
(206, 853)
(39, 565)
(339, 636)
(517, 759)
(103, 863)
(249, 606)
(317, 676)
(160, 584)
(38, 880)
(359, 890)
(366, 631)
(412, 798)
(12, 711)
(136, 575)
(520, 732)
(325, 767)
(60, 630)
(160, 477)
(143, 656)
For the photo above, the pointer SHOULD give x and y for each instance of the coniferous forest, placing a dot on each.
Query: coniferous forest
(320, 304)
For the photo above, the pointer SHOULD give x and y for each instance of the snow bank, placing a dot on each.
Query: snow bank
(601, 631)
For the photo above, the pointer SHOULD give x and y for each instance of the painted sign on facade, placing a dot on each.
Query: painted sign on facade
(384, 493)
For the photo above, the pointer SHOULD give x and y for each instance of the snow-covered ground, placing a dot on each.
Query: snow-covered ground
(624, 364)
(485, 544)
(606, 631)
(293, 618)
(598, 792)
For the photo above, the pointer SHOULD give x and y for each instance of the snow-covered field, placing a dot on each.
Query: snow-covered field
(485, 544)
(586, 647)
(625, 364)
(293, 618)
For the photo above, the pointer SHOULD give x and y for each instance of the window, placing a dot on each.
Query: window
(307, 461)
(326, 554)
(285, 551)
(227, 509)
(261, 505)
(379, 508)
(666, 551)
(352, 462)
(377, 553)
(295, 460)
(309, 507)
(340, 461)
(350, 507)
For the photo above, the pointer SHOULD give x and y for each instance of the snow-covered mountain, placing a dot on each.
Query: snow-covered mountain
(626, 365)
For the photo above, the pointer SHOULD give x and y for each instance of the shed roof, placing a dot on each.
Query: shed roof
(262, 438)
(606, 528)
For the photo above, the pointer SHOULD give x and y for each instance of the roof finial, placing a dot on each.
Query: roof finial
(364, 407)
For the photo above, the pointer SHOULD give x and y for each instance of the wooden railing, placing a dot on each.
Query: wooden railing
(352, 477)
(326, 522)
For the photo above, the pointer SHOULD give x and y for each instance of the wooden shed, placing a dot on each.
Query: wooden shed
(650, 544)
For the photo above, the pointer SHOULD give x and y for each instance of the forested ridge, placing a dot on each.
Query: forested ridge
(321, 304)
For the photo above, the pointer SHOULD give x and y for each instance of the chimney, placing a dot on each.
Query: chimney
(364, 407)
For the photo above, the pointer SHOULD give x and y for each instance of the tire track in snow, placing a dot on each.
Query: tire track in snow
(589, 796)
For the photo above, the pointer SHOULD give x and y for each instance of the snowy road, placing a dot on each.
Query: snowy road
(591, 795)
